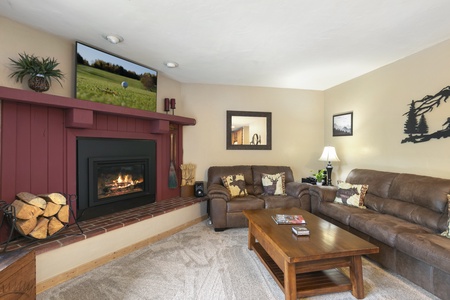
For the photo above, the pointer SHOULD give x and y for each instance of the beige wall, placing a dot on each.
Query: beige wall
(297, 126)
(16, 38)
(378, 101)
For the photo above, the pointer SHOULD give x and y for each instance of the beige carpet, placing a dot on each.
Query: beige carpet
(198, 263)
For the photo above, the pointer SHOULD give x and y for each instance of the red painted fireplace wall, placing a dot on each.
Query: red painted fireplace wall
(38, 140)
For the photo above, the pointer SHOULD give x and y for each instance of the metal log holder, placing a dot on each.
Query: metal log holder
(9, 215)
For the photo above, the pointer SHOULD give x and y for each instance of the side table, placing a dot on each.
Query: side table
(18, 275)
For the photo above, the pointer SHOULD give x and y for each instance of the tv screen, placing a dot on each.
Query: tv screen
(107, 78)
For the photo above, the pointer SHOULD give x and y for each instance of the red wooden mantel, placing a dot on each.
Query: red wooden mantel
(39, 133)
(84, 107)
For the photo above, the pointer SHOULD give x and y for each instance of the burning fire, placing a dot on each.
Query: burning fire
(123, 184)
(124, 181)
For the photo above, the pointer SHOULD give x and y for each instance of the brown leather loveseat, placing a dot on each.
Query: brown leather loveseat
(226, 211)
(404, 216)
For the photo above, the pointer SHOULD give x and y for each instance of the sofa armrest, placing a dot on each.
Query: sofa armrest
(294, 189)
(300, 190)
(218, 191)
(321, 194)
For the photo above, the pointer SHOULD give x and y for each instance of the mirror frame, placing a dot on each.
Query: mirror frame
(234, 113)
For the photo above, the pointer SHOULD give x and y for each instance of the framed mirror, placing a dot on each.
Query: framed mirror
(249, 130)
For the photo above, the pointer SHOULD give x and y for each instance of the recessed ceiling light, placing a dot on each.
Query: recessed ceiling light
(113, 38)
(171, 64)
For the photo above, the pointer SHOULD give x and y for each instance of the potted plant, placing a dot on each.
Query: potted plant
(320, 176)
(40, 70)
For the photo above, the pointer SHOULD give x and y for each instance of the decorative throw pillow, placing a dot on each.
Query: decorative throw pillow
(447, 232)
(351, 194)
(235, 184)
(274, 184)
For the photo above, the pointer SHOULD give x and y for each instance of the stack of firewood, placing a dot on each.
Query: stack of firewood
(40, 216)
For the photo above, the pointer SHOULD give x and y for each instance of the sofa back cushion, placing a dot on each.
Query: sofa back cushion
(418, 199)
(379, 182)
(423, 199)
(259, 170)
(216, 173)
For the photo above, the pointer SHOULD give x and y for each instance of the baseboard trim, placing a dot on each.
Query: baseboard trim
(63, 277)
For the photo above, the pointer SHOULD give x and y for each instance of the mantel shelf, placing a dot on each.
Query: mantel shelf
(72, 104)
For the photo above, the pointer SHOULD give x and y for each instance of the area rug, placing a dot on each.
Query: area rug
(199, 263)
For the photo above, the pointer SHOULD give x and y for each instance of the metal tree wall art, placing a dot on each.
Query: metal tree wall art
(416, 126)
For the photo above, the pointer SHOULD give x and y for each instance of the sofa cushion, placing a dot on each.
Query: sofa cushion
(351, 194)
(417, 199)
(430, 248)
(273, 184)
(257, 172)
(341, 212)
(235, 183)
(379, 182)
(420, 199)
(384, 228)
(425, 191)
(280, 201)
(238, 204)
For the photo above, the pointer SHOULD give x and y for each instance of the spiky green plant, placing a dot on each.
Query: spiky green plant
(33, 66)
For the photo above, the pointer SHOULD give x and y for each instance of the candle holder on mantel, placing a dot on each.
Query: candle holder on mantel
(166, 105)
(172, 105)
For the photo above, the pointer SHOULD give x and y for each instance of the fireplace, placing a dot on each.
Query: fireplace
(114, 175)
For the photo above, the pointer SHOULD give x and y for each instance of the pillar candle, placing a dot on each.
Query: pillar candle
(172, 103)
(166, 104)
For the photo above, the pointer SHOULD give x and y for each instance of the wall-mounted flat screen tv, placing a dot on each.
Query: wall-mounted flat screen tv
(107, 78)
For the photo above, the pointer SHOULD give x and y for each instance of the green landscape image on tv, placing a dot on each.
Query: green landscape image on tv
(109, 79)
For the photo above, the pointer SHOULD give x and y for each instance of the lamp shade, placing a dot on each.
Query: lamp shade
(329, 154)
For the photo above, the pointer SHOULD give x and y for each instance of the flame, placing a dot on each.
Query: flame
(123, 184)
(125, 180)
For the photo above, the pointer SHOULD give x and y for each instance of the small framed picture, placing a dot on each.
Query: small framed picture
(343, 124)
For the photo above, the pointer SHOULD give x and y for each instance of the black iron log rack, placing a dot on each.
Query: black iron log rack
(9, 219)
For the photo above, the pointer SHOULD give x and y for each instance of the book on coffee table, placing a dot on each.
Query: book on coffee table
(300, 230)
(288, 219)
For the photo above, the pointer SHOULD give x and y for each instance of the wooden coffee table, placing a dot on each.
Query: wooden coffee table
(307, 265)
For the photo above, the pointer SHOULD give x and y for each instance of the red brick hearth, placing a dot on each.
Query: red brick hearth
(103, 224)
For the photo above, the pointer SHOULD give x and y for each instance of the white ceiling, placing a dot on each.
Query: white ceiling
(314, 44)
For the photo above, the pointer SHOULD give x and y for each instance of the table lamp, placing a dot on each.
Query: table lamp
(329, 155)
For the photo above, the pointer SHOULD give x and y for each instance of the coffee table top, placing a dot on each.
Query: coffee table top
(325, 240)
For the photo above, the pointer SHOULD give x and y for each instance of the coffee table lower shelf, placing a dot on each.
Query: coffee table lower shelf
(308, 284)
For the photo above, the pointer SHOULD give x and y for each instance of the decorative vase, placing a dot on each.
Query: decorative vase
(38, 83)
(319, 183)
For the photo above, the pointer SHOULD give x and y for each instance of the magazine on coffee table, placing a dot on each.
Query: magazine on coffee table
(288, 219)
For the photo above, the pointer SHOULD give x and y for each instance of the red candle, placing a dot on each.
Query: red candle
(172, 103)
(166, 104)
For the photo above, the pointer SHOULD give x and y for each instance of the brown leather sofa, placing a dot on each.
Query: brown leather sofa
(226, 212)
(404, 217)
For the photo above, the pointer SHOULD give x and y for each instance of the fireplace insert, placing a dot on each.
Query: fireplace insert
(114, 175)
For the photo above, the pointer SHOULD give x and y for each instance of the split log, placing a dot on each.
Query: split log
(25, 211)
(32, 199)
(63, 214)
(40, 231)
(54, 225)
(51, 209)
(26, 226)
(56, 198)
